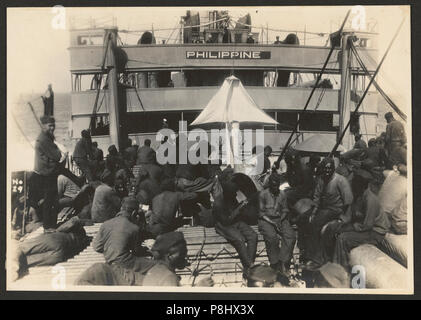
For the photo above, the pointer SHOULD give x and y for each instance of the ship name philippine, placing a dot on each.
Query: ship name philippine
(228, 55)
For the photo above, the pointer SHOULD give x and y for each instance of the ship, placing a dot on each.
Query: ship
(125, 91)
(122, 91)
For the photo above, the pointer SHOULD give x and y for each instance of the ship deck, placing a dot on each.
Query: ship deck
(208, 253)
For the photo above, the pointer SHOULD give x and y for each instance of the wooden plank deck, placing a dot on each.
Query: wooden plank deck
(217, 258)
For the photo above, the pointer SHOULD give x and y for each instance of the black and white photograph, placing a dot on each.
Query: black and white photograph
(210, 149)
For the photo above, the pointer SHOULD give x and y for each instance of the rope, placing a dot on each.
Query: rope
(384, 95)
(35, 115)
(138, 97)
(368, 87)
(94, 111)
(311, 95)
(322, 94)
(196, 271)
(21, 130)
(320, 34)
(170, 29)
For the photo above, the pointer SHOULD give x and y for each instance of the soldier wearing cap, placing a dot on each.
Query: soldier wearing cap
(332, 198)
(47, 166)
(369, 223)
(169, 253)
(359, 143)
(274, 225)
(82, 155)
(250, 38)
(209, 39)
(395, 139)
(120, 237)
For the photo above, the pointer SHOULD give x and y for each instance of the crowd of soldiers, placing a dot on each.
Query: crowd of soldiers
(326, 209)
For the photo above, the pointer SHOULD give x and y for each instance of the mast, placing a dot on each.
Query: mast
(345, 92)
(113, 89)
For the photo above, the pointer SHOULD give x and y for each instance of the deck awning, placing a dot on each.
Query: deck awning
(321, 144)
(232, 103)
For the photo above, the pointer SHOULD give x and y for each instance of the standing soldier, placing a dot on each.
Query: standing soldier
(395, 140)
(250, 38)
(82, 155)
(48, 99)
(48, 158)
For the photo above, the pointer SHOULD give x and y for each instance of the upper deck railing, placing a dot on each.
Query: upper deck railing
(87, 52)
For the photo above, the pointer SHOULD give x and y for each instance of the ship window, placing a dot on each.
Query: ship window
(190, 116)
(100, 125)
(286, 120)
(316, 121)
(238, 38)
(151, 121)
(90, 40)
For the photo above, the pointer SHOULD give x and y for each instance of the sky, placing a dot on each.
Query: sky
(37, 52)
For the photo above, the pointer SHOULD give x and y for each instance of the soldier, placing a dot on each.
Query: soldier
(82, 155)
(395, 140)
(48, 158)
(48, 100)
(226, 211)
(332, 197)
(250, 38)
(273, 222)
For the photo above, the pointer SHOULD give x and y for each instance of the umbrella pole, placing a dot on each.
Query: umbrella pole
(228, 150)
(235, 134)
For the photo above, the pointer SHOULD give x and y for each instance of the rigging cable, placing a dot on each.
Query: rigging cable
(21, 130)
(277, 162)
(384, 95)
(366, 90)
(107, 43)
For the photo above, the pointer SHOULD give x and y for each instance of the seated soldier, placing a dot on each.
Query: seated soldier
(359, 143)
(299, 177)
(84, 200)
(164, 208)
(369, 223)
(52, 248)
(332, 198)
(24, 221)
(106, 201)
(119, 238)
(82, 155)
(274, 225)
(263, 276)
(169, 253)
(241, 236)
(115, 161)
(393, 196)
(373, 153)
(67, 191)
(97, 153)
(130, 154)
(145, 154)
(150, 187)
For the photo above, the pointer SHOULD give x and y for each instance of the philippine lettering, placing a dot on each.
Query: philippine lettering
(228, 54)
